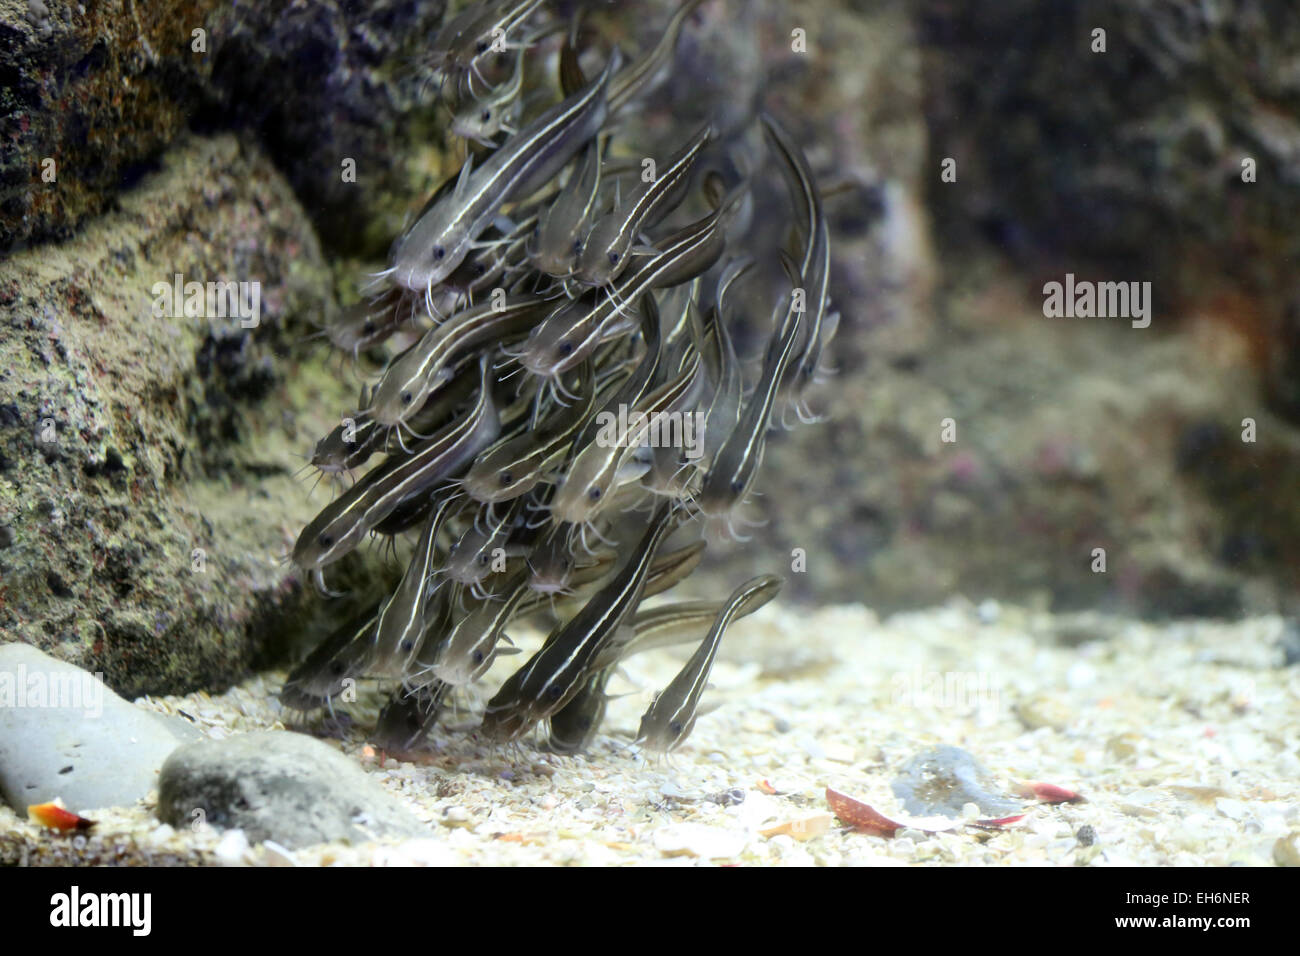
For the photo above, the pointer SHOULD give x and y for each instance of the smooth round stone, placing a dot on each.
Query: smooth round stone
(64, 734)
(281, 786)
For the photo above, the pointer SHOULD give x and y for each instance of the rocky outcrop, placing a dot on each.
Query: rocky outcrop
(146, 497)
(92, 94)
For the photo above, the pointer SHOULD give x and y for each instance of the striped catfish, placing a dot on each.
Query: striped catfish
(671, 717)
(571, 331)
(814, 264)
(441, 239)
(607, 249)
(556, 672)
(667, 625)
(345, 521)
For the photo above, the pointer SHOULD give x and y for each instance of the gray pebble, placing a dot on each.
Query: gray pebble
(943, 781)
(728, 798)
(281, 786)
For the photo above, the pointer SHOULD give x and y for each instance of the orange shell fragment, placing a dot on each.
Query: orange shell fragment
(56, 817)
(803, 829)
(1049, 792)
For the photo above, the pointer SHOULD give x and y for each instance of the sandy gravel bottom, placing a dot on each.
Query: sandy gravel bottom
(1182, 740)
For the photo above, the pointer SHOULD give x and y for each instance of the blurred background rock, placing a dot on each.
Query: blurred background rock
(1072, 434)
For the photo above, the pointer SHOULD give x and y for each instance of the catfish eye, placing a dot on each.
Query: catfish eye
(407, 398)
(737, 486)
(326, 540)
(369, 327)
(613, 258)
(507, 478)
(565, 349)
(439, 252)
(485, 116)
(594, 493)
(555, 692)
(676, 728)
(481, 46)
(336, 668)
(477, 657)
(577, 246)
(408, 646)
(483, 559)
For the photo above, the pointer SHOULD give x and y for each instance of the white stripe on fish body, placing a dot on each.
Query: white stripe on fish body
(470, 648)
(565, 223)
(601, 465)
(639, 76)
(482, 120)
(615, 610)
(660, 627)
(514, 466)
(471, 557)
(736, 465)
(814, 264)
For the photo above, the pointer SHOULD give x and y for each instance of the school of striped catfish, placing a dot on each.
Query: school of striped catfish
(567, 304)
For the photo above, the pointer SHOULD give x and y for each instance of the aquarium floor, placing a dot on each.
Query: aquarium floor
(1181, 739)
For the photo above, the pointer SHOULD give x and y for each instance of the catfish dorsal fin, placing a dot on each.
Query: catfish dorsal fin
(791, 269)
(571, 77)
(715, 189)
(708, 708)
(462, 181)
(632, 468)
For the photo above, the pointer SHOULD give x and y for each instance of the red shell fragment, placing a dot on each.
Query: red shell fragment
(56, 817)
(859, 815)
(1048, 792)
(864, 817)
(999, 822)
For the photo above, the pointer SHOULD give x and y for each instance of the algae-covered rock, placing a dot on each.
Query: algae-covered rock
(91, 94)
(146, 497)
